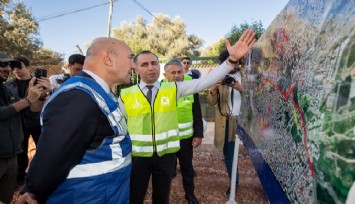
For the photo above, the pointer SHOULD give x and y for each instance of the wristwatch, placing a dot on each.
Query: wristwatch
(233, 62)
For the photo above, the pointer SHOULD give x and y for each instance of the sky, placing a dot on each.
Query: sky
(207, 19)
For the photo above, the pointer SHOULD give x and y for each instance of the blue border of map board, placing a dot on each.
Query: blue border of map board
(271, 186)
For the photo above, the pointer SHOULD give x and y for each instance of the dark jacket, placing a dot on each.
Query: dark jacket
(29, 118)
(11, 134)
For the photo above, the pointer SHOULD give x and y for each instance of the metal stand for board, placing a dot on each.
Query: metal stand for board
(234, 172)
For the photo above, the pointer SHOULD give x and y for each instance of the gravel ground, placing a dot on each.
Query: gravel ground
(211, 180)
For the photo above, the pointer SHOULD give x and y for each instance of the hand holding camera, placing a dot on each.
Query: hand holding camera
(34, 91)
(232, 82)
(214, 88)
(43, 81)
(229, 80)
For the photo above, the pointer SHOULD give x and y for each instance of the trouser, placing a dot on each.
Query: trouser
(22, 158)
(161, 169)
(185, 155)
(8, 172)
(228, 152)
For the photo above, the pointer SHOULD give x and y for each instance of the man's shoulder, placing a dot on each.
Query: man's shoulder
(10, 82)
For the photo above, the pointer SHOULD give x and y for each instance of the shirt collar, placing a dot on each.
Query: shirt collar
(100, 81)
(156, 84)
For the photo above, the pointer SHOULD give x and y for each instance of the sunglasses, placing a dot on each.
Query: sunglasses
(186, 62)
(4, 64)
(15, 64)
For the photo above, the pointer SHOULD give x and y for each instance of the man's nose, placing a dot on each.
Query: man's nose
(150, 67)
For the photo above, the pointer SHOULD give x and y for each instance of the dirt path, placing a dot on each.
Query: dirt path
(212, 180)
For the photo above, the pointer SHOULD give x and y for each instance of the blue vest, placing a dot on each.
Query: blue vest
(103, 174)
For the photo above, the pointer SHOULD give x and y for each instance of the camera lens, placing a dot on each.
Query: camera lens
(228, 80)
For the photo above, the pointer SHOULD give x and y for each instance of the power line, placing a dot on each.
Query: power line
(57, 15)
(167, 26)
(150, 13)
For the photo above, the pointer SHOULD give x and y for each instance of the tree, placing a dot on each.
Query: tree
(46, 56)
(19, 33)
(164, 36)
(233, 37)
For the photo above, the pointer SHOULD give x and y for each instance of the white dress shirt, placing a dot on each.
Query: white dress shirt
(100, 81)
(236, 96)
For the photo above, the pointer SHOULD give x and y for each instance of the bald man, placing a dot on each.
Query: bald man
(84, 151)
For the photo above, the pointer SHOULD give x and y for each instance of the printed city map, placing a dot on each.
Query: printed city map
(299, 99)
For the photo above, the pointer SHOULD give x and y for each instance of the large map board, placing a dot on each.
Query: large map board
(299, 103)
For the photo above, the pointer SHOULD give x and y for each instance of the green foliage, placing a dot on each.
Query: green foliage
(164, 36)
(19, 33)
(233, 37)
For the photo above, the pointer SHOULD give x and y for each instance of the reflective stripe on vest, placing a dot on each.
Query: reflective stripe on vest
(152, 129)
(185, 115)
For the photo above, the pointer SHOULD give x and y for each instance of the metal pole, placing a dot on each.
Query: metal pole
(234, 172)
(109, 19)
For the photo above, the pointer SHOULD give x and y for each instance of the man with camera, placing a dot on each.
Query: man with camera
(76, 62)
(12, 107)
(226, 97)
(30, 121)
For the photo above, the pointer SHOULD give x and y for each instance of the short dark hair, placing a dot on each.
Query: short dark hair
(24, 60)
(188, 58)
(76, 58)
(144, 52)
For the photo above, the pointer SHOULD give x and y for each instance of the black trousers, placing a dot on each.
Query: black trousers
(8, 171)
(185, 155)
(161, 169)
(22, 158)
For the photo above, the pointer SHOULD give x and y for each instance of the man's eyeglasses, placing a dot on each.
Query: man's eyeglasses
(186, 62)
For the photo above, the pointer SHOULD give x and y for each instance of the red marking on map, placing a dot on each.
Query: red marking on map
(284, 39)
(290, 92)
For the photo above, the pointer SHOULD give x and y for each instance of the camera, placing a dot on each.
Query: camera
(62, 80)
(228, 80)
(40, 73)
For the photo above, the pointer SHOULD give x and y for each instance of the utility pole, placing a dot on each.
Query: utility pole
(109, 19)
(79, 49)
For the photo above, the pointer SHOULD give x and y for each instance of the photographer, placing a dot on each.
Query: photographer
(76, 62)
(226, 97)
(30, 120)
(12, 107)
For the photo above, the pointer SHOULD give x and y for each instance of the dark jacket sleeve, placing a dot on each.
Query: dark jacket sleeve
(7, 112)
(69, 126)
(6, 109)
(197, 115)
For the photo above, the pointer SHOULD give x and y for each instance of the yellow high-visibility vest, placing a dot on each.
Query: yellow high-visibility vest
(152, 129)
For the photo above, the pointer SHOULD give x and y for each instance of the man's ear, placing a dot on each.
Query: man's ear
(106, 58)
(164, 75)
